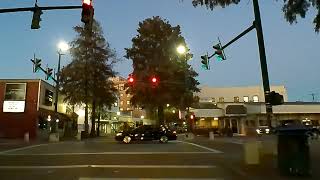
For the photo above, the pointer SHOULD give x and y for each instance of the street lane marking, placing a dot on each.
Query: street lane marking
(103, 153)
(22, 148)
(114, 166)
(203, 147)
(89, 178)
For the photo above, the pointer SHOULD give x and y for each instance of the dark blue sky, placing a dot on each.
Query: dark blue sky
(292, 50)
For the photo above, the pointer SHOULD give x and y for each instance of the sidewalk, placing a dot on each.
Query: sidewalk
(234, 158)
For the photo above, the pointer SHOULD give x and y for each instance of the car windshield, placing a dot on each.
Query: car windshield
(159, 89)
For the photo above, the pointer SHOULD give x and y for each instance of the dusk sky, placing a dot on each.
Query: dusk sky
(292, 50)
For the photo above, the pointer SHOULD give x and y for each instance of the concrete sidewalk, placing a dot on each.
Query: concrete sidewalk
(266, 169)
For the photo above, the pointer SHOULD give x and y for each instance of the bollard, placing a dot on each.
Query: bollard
(211, 135)
(26, 137)
(251, 153)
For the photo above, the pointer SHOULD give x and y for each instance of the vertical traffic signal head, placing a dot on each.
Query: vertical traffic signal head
(87, 12)
(205, 62)
(36, 17)
(154, 81)
(219, 51)
(274, 98)
(131, 80)
(48, 73)
(36, 64)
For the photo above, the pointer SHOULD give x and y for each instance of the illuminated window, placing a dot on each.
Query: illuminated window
(121, 102)
(121, 95)
(128, 102)
(236, 99)
(121, 109)
(255, 98)
(245, 98)
(115, 104)
(128, 95)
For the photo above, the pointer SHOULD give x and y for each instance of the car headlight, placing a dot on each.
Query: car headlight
(119, 134)
(258, 131)
(267, 131)
(136, 135)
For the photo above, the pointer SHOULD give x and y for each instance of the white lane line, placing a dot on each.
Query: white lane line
(89, 178)
(22, 148)
(113, 166)
(203, 147)
(102, 153)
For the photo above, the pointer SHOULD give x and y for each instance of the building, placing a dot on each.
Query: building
(26, 105)
(243, 109)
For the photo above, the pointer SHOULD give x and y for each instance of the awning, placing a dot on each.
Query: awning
(236, 110)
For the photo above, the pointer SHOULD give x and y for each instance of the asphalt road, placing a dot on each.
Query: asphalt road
(106, 159)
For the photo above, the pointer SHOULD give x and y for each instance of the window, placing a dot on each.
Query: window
(121, 109)
(255, 98)
(245, 98)
(121, 103)
(115, 104)
(128, 102)
(121, 95)
(128, 95)
(236, 99)
(15, 92)
(221, 99)
(14, 97)
(48, 98)
(213, 100)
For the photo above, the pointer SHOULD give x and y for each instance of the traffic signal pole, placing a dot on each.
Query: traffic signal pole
(41, 8)
(263, 60)
(262, 53)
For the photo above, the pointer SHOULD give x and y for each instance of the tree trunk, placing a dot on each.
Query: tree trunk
(86, 122)
(93, 119)
(99, 116)
(160, 115)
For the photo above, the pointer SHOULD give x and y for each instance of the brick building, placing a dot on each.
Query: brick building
(25, 105)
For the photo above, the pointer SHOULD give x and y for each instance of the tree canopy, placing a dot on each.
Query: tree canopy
(86, 80)
(154, 54)
(291, 8)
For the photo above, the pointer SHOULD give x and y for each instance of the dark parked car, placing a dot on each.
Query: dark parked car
(146, 133)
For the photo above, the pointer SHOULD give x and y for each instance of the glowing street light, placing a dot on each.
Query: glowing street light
(181, 49)
(63, 46)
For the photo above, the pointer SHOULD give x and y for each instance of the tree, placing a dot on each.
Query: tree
(291, 8)
(86, 80)
(154, 54)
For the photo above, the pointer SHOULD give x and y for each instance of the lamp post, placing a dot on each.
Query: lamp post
(182, 50)
(62, 47)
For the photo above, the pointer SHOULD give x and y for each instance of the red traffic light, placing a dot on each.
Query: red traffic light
(131, 80)
(87, 2)
(154, 79)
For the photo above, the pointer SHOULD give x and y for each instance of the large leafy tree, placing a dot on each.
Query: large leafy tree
(154, 54)
(86, 80)
(291, 8)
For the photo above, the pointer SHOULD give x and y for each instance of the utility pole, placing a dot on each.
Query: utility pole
(263, 61)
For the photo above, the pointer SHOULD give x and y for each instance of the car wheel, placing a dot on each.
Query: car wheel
(163, 139)
(127, 139)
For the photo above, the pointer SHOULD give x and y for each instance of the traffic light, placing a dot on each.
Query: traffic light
(87, 12)
(219, 52)
(48, 73)
(274, 98)
(205, 62)
(36, 17)
(154, 81)
(36, 64)
(131, 80)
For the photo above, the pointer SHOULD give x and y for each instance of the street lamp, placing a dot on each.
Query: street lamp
(181, 49)
(62, 47)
